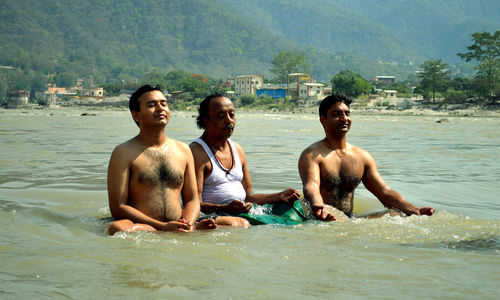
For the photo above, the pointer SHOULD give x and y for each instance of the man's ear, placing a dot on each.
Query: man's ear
(135, 116)
(322, 120)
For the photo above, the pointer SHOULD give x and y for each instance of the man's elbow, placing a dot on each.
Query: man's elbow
(117, 213)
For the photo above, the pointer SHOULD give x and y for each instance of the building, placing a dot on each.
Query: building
(300, 86)
(94, 92)
(389, 94)
(247, 84)
(384, 80)
(16, 98)
(273, 92)
(311, 91)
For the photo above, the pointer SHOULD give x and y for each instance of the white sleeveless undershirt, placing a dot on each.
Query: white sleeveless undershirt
(220, 187)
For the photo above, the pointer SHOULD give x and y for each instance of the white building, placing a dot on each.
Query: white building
(311, 91)
(389, 94)
(247, 84)
(94, 92)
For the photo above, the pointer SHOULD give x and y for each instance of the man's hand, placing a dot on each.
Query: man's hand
(180, 225)
(238, 207)
(322, 214)
(428, 211)
(289, 195)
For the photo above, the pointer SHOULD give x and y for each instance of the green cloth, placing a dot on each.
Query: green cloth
(281, 213)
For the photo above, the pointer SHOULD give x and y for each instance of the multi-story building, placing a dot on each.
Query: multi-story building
(247, 84)
(385, 80)
(301, 87)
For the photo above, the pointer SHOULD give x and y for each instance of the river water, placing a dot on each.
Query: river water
(53, 195)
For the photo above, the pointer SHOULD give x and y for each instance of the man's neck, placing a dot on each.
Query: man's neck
(336, 142)
(152, 137)
(214, 142)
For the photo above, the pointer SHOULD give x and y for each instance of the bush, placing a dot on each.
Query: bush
(247, 99)
(455, 97)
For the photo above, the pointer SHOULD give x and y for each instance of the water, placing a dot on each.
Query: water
(53, 193)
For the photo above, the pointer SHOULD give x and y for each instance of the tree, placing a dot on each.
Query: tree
(433, 77)
(350, 84)
(401, 87)
(3, 91)
(287, 62)
(486, 51)
(65, 79)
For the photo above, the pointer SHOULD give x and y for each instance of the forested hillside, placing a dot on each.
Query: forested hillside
(119, 40)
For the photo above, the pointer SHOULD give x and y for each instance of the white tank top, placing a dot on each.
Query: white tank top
(221, 187)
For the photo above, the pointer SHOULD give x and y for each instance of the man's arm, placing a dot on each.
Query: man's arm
(190, 196)
(118, 185)
(310, 174)
(388, 197)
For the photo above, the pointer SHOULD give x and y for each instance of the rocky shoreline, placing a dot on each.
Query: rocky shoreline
(462, 110)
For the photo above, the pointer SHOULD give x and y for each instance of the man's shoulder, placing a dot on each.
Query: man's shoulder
(361, 153)
(127, 145)
(179, 144)
(314, 147)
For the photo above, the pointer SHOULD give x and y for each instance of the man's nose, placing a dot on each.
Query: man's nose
(228, 118)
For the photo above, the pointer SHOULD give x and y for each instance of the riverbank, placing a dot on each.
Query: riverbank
(417, 110)
(427, 109)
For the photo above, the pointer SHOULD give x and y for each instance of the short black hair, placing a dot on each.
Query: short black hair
(327, 102)
(133, 103)
(203, 109)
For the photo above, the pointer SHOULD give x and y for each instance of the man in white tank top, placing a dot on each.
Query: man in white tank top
(224, 183)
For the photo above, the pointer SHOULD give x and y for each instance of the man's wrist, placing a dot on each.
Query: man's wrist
(316, 207)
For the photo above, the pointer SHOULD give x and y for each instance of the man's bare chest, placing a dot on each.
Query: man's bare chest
(157, 169)
(341, 173)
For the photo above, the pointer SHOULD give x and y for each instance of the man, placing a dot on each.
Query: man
(224, 183)
(331, 168)
(149, 172)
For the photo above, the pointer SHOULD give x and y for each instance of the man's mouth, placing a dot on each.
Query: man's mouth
(229, 127)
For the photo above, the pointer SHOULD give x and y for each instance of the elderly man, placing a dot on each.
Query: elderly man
(224, 183)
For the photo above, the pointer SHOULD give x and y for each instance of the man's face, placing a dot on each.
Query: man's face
(222, 117)
(153, 109)
(338, 118)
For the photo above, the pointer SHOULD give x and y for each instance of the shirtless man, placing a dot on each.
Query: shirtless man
(148, 173)
(331, 168)
(224, 183)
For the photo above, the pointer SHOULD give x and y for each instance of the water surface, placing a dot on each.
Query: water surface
(53, 194)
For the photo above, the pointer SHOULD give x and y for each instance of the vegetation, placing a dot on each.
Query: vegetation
(350, 84)
(432, 78)
(486, 51)
(287, 62)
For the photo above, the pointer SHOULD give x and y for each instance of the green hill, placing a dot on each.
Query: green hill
(120, 40)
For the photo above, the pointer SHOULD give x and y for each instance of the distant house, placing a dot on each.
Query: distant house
(311, 91)
(247, 84)
(301, 87)
(16, 98)
(389, 94)
(94, 92)
(57, 90)
(385, 80)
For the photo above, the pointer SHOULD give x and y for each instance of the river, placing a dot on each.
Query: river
(53, 166)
